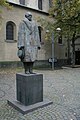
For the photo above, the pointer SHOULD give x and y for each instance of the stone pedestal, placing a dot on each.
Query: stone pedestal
(29, 88)
(29, 93)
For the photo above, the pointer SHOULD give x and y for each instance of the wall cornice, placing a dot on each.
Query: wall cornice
(25, 7)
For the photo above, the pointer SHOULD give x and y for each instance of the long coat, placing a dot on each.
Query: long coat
(28, 37)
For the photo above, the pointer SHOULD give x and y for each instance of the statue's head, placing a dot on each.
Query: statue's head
(28, 15)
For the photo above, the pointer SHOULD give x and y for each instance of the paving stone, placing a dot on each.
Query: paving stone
(60, 86)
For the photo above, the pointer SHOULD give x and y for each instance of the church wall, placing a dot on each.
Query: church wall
(8, 50)
(34, 4)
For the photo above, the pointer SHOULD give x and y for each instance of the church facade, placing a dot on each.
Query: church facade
(9, 32)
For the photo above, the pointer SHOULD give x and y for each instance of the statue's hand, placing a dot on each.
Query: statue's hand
(39, 48)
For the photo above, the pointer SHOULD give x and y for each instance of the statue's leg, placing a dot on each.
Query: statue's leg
(26, 67)
(31, 67)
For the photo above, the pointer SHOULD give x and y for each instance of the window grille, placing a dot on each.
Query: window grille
(22, 2)
(9, 31)
(40, 4)
(39, 28)
(60, 39)
(50, 3)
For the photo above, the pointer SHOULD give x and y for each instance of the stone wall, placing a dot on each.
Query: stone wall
(8, 50)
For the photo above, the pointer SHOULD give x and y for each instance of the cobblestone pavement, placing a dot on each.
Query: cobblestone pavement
(60, 86)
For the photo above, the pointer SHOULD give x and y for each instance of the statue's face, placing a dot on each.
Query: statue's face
(29, 17)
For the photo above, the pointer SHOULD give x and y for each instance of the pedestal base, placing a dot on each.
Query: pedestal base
(26, 109)
(29, 88)
(29, 93)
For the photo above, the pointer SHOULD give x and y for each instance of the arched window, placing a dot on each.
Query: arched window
(40, 4)
(50, 3)
(22, 2)
(60, 39)
(39, 28)
(10, 30)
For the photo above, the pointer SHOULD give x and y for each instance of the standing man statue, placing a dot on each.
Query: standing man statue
(28, 42)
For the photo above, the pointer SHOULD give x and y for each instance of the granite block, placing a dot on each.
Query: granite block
(29, 88)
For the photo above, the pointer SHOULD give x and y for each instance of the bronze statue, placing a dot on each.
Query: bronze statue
(28, 42)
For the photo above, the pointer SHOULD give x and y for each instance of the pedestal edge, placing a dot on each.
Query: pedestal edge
(26, 109)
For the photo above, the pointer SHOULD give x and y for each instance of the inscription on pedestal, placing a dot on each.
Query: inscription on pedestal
(29, 88)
